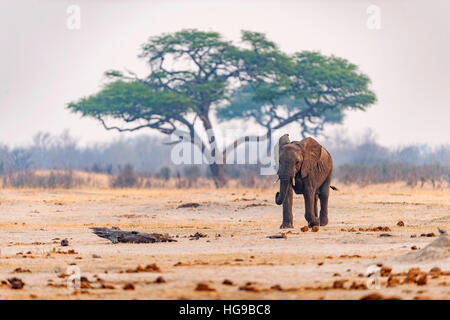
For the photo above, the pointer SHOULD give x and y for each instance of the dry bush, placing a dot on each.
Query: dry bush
(126, 178)
(437, 175)
(35, 179)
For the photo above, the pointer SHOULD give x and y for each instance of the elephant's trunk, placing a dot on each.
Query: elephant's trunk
(284, 184)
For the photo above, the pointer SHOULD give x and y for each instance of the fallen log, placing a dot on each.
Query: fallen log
(115, 235)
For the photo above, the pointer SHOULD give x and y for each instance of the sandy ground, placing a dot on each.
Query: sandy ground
(237, 223)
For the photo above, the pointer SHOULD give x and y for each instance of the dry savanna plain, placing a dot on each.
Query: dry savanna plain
(382, 241)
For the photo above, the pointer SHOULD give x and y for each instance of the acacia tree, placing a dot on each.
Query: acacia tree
(192, 72)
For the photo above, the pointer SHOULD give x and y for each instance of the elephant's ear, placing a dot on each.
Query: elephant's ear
(311, 155)
(284, 140)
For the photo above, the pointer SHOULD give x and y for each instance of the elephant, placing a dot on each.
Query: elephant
(304, 167)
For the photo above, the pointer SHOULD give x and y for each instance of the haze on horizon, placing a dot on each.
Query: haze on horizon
(45, 65)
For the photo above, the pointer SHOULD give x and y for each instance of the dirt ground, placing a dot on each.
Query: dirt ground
(237, 223)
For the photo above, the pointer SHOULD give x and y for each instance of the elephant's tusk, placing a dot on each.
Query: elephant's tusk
(293, 181)
(277, 180)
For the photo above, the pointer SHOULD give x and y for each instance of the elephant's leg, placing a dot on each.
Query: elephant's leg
(316, 210)
(323, 196)
(309, 209)
(287, 210)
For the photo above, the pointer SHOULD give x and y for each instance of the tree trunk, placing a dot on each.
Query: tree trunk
(217, 169)
(218, 173)
(269, 141)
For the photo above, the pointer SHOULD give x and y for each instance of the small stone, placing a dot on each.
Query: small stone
(64, 242)
(315, 228)
(400, 224)
(276, 287)
(16, 283)
(128, 286)
(203, 287)
(422, 279)
(435, 272)
(160, 280)
(385, 271)
(304, 229)
(339, 284)
(96, 256)
(227, 282)
(392, 281)
(372, 296)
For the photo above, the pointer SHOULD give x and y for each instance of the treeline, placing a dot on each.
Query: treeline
(144, 162)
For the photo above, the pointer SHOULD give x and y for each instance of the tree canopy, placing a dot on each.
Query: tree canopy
(314, 90)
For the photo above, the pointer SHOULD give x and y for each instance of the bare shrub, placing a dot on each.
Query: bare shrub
(30, 179)
(437, 175)
(164, 173)
(126, 178)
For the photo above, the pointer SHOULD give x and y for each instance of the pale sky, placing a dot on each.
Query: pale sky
(44, 65)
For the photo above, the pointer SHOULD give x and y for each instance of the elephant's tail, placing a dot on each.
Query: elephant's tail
(334, 188)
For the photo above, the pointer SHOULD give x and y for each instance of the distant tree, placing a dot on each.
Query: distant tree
(164, 173)
(190, 71)
(126, 178)
(21, 159)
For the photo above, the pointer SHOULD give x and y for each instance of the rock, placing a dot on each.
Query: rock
(64, 242)
(128, 286)
(385, 271)
(278, 236)
(96, 256)
(249, 287)
(160, 280)
(372, 296)
(189, 205)
(392, 281)
(435, 272)
(148, 268)
(197, 236)
(400, 224)
(16, 283)
(411, 275)
(339, 284)
(385, 235)
(304, 229)
(422, 279)
(227, 282)
(203, 287)
(358, 286)
(315, 228)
